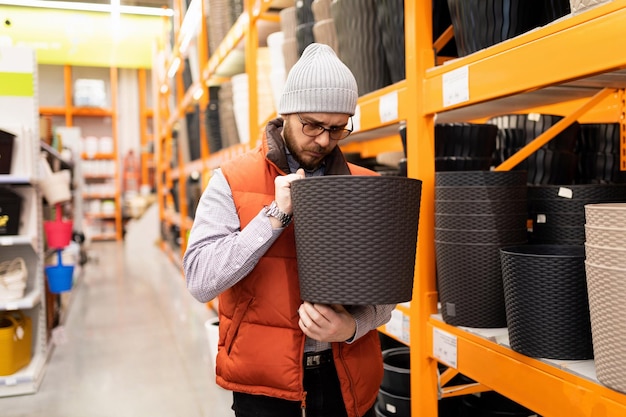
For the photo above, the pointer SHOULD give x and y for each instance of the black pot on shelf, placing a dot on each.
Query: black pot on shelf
(397, 371)
(360, 44)
(212, 120)
(492, 404)
(390, 18)
(465, 140)
(547, 307)
(304, 36)
(482, 23)
(536, 124)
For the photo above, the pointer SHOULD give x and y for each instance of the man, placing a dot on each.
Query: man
(279, 355)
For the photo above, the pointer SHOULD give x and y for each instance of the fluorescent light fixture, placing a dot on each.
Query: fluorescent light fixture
(190, 25)
(89, 7)
(199, 92)
(174, 67)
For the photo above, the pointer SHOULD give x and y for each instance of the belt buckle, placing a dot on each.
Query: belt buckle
(314, 360)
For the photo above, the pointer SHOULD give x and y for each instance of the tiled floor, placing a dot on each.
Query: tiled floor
(133, 344)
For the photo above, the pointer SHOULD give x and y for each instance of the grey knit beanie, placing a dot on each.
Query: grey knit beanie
(319, 83)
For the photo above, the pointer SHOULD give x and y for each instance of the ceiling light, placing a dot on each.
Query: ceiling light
(89, 7)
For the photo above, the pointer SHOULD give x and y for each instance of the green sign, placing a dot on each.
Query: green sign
(16, 84)
(82, 38)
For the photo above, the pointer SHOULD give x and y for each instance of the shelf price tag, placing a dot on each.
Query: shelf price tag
(398, 326)
(6, 241)
(455, 86)
(388, 107)
(444, 347)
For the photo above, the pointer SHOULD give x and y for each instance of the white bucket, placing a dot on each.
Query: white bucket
(56, 187)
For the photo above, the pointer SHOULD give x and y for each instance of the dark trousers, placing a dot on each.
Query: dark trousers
(323, 398)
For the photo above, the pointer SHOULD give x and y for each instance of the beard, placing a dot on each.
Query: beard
(306, 161)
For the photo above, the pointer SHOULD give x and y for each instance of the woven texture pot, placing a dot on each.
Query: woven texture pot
(607, 291)
(356, 238)
(476, 213)
(547, 308)
(605, 247)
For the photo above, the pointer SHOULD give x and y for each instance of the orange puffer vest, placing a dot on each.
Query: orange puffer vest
(261, 346)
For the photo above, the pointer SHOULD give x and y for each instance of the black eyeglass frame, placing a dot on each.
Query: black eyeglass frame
(321, 129)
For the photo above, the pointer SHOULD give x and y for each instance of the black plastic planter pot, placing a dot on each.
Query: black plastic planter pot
(465, 140)
(469, 278)
(360, 43)
(397, 371)
(356, 238)
(482, 23)
(547, 307)
(479, 24)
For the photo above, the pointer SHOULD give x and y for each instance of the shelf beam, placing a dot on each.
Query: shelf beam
(535, 384)
(561, 74)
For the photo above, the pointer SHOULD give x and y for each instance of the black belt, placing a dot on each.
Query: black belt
(316, 359)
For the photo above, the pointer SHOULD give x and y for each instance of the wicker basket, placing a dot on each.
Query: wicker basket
(611, 237)
(356, 238)
(607, 292)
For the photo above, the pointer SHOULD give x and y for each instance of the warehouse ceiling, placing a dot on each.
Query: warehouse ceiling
(145, 3)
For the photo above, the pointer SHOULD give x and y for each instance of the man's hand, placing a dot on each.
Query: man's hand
(326, 323)
(283, 190)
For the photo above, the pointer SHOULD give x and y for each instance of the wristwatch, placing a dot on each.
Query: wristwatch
(273, 211)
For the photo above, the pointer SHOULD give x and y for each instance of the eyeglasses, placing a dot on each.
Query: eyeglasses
(313, 130)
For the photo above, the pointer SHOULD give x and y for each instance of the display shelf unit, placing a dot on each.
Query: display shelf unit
(569, 64)
(146, 131)
(88, 118)
(19, 115)
(587, 85)
(169, 171)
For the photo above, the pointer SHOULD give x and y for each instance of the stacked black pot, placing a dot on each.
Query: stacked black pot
(553, 163)
(394, 395)
(479, 24)
(360, 42)
(305, 21)
(464, 146)
(598, 149)
(212, 120)
(557, 212)
(476, 213)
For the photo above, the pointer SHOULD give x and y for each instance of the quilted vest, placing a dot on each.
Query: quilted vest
(260, 348)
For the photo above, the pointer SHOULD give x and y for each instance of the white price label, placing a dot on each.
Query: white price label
(455, 86)
(566, 192)
(388, 107)
(6, 241)
(445, 347)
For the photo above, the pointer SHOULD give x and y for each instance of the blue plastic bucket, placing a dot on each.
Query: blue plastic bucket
(60, 277)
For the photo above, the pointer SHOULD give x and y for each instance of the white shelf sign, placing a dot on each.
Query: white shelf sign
(444, 347)
(388, 107)
(456, 86)
(398, 326)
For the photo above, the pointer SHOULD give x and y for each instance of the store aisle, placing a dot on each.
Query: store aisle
(134, 342)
